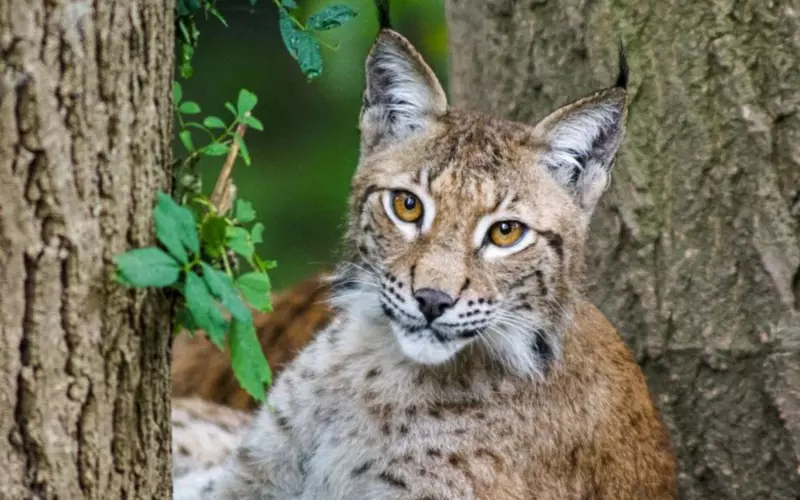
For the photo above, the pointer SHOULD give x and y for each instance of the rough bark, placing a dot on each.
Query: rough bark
(695, 251)
(85, 129)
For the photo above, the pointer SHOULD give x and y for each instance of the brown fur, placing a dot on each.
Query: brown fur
(595, 360)
(595, 353)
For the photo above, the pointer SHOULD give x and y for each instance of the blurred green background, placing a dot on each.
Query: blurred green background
(304, 158)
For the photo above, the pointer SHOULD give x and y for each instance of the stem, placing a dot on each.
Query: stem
(334, 48)
(224, 175)
(298, 23)
(211, 135)
(225, 262)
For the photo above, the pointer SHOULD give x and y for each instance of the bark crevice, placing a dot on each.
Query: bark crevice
(85, 142)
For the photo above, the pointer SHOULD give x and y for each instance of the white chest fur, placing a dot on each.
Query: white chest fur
(367, 423)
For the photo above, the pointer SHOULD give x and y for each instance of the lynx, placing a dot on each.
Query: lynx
(462, 361)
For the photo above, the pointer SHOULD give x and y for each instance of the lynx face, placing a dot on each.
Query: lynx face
(466, 233)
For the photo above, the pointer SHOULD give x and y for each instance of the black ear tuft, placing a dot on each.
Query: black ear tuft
(624, 69)
(384, 20)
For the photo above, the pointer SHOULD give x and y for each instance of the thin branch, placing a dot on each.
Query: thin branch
(223, 180)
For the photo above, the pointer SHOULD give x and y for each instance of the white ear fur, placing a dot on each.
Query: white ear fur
(402, 95)
(581, 142)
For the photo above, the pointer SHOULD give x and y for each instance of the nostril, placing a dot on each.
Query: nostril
(432, 303)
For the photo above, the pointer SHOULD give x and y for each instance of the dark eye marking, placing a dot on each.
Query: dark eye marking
(524, 278)
(555, 241)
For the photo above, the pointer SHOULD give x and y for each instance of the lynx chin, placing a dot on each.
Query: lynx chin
(463, 361)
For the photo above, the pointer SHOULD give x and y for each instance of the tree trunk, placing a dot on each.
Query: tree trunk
(85, 135)
(695, 251)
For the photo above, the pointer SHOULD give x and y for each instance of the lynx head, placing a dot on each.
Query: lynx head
(466, 234)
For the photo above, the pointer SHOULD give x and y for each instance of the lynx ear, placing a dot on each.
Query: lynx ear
(582, 138)
(581, 141)
(402, 95)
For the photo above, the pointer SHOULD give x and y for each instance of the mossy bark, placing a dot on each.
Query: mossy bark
(85, 134)
(695, 250)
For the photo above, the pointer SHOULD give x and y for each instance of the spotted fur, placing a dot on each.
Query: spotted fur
(519, 389)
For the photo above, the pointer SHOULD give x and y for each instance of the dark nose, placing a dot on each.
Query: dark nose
(432, 303)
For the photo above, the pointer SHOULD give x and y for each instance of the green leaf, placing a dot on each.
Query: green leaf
(168, 234)
(257, 233)
(230, 108)
(186, 66)
(248, 361)
(218, 15)
(190, 5)
(177, 92)
(205, 310)
(266, 264)
(221, 286)
(183, 219)
(242, 149)
(145, 267)
(213, 233)
(330, 17)
(238, 239)
(187, 52)
(309, 55)
(289, 32)
(263, 265)
(214, 122)
(255, 288)
(216, 149)
(186, 139)
(289, 4)
(302, 45)
(185, 36)
(247, 101)
(253, 122)
(189, 108)
(244, 211)
(186, 320)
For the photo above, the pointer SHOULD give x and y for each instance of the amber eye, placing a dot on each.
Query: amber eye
(506, 233)
(407, 207)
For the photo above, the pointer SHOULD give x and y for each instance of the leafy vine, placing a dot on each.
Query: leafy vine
(203, 238)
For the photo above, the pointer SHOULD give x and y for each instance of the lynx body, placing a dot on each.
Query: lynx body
(462, 361)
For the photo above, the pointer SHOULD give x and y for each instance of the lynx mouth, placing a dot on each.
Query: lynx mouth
(424, 343)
